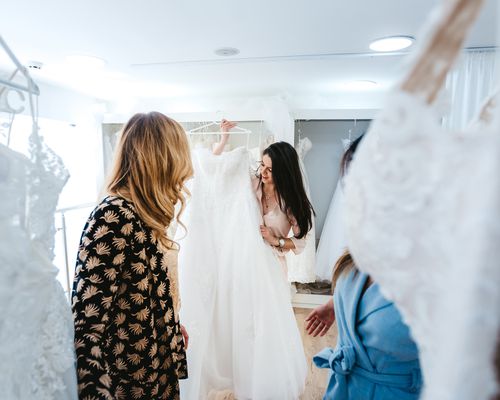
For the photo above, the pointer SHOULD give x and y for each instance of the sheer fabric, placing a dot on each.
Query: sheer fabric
(36, 329)
(236, 301)
(332, 242)
(423, 219)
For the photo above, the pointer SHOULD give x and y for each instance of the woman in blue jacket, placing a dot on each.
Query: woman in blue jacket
(375, 357)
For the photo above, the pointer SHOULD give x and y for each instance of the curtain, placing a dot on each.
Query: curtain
(469, 84)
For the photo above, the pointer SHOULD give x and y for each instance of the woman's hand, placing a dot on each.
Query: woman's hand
(268, 236)
(185, 336)
(225, 127)
(320, 319)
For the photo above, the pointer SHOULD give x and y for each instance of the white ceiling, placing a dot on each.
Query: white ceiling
(156, 48)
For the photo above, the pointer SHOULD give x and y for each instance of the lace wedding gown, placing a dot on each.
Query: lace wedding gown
(423, 219)
(36, 326)
(235, 297)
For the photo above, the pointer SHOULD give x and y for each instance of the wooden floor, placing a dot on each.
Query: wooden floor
(316, 378)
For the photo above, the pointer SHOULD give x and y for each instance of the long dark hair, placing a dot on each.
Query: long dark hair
(287, 177)
(348, 155)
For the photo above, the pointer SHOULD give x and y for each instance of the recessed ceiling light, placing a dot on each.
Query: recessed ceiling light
(34, 64)
(85, 61)
(226, 51)
(392, 43)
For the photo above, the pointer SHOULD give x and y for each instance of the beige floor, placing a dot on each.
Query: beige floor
(316, 378)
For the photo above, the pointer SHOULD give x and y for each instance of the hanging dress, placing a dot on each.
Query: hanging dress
(36, 328)
(423, 212)
(236, 305)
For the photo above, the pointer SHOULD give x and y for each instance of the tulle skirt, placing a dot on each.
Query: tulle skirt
(236, 304)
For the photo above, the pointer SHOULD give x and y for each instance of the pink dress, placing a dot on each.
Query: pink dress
(280, 224)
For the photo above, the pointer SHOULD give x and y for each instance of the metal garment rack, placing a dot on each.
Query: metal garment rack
(31, 87)
(237, 130)
(63, 229)
(200, 130)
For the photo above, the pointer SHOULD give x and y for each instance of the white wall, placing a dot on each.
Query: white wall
(77, 141)
(323, 160)
(277, 112)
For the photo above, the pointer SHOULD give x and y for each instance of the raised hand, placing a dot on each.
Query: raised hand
(319, 321)
(226, 126)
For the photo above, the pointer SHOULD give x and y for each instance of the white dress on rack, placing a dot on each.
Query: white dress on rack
(332, 242)
(36, 326)
(236, 301)
(423, 219)
(301, 266)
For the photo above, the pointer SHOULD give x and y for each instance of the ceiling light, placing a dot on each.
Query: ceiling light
(34, 64)
(392, 43)
(85, 62)
(226, 51)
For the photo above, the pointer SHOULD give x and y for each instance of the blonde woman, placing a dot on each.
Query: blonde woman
(128, 339)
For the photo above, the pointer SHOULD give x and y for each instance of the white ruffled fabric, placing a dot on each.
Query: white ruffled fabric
(423, 219)
(236, 303)
(332, 242)
(36, 328)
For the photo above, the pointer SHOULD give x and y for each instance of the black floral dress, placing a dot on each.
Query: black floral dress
(125, 297)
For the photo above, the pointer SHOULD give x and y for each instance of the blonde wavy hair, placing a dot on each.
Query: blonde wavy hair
(151, 165)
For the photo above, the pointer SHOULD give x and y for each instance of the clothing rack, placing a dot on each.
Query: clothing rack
(237, 130)
(31, 86)
(234, 131)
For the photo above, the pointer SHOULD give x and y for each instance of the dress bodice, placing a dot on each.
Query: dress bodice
(47, 179)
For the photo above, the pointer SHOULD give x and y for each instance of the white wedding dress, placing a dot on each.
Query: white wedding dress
(236, 304)
(423, 219)
(301, 267)
(36, 326)
(332, 242)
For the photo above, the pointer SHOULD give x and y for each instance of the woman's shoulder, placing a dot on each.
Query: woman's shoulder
(114, 208)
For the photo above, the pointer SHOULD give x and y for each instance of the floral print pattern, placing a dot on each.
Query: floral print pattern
(125, 306)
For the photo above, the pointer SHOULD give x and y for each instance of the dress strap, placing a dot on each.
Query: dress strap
(441, 49)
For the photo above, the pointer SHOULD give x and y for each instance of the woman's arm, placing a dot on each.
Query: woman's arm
(268, 236)
(298, 244)
(225, 127)
(101, 257)
(320, 319)
(288, 243)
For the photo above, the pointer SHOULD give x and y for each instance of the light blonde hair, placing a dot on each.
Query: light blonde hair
(344, 265)
(151, 165)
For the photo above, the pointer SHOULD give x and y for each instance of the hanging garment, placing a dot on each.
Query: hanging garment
(36, 328)
(332, 242)
(423, 212)
(375, 357)
(301, 266)
(236, 301)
